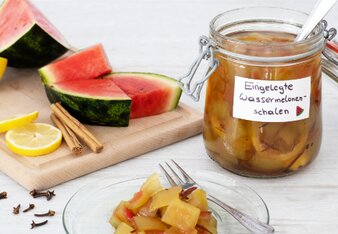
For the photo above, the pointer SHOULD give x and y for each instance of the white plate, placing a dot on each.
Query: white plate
(89, 210)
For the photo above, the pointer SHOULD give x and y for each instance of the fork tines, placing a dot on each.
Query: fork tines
(174, 178)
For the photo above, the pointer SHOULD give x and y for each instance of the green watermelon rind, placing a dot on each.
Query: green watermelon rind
(177, 90)
(35, 48)
(92, 110)
(46, 76)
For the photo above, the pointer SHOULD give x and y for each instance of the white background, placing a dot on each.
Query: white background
(161, 36)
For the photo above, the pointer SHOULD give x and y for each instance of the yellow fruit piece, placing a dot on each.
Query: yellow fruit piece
(152, 185)
(33, 139)
(145, 210)
(114, 221)
(3, 65)
(124, 228)
(143, 223)
(198, 198)
(165, 197)
(163, 210)
(175, 230)
(181, 215)
(17, 121)
(122, 213)
(139, 199)
(208, 222)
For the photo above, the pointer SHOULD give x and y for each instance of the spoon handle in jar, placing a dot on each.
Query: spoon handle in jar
(321, 8)
(252, 224)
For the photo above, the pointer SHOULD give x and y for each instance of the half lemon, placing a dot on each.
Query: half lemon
(17, 121)
(34, 139)
(3, 65)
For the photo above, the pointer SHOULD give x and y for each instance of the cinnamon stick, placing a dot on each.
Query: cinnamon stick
(70, 138)
(79, 129)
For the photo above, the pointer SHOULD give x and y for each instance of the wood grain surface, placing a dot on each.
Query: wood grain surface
(141, 136)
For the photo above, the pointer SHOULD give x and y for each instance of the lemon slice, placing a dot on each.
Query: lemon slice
(34, 139)
(3, 65)
(17, 121)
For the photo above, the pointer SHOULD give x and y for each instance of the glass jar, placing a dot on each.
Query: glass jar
(263, 100)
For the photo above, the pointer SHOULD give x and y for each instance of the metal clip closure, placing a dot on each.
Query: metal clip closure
(206, 52)
(329, 34)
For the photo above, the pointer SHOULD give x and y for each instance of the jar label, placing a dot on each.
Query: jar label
(272, 100)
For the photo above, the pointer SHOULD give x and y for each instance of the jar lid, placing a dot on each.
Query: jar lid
(206, 52)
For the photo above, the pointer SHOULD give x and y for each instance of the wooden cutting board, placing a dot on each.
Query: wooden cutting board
(21, 91)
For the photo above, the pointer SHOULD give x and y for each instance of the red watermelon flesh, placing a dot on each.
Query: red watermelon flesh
(151, 94)
(98, 88)
(89, 63)
(17, 17)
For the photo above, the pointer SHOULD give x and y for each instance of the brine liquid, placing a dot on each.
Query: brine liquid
(261, 149)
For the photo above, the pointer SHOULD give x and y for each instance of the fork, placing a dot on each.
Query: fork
(251, 223)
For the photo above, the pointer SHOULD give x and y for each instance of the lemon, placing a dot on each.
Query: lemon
(34, 139)
(3, 65)
(17, 121)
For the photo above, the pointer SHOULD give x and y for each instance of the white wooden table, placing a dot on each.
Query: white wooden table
(161, 36)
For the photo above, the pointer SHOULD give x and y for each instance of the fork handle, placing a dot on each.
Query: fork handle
(252, 224)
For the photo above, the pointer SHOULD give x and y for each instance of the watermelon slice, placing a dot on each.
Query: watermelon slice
(78, 82)
(92, 101)
(89, 63)
(106, 101)
(151, 94)
(28, 39)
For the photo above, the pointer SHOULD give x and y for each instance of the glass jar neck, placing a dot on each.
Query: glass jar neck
(264, 19)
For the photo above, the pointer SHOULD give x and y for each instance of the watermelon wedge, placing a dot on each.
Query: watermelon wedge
(92, 101)
(28, 39)
(88, 63)
(151, 94)
(80, 83)
(115, 98)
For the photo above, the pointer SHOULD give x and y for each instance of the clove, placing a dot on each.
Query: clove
(16, 210)
(48, 194)
(31, 207)
(49, 213)
(3, 195)
(185, 193)
(34, 224)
